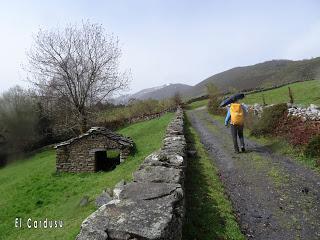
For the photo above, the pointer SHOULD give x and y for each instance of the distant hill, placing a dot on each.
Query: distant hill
(158, 93)
(266, 74)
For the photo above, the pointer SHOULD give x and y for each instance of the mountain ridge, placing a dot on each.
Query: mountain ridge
(270, 73)
(259, 75)
(158, 92)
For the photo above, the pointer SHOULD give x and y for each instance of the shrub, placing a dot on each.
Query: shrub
(313, 147)
(177, 99)
(214, 100)
(18, 119)
(120, 115)
(250, 119)
(269, 120)
(213, 106)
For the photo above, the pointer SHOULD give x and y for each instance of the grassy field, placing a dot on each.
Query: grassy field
(30, 188)
(209, 213)
(303, 93)
(198, 104)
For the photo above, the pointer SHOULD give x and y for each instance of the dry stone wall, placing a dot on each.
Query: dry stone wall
(310, 113)
(152, 206)
(148, 117)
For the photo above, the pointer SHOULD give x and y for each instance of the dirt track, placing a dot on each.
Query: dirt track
(273, 196)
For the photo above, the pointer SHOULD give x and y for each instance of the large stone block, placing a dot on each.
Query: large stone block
(161, 158)
(151, 190)
(158, 174)
(127, 219)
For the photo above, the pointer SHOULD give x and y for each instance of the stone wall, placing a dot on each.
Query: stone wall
(148, 117)
(311, 113)
(152, 206)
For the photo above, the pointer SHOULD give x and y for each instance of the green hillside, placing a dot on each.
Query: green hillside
(30, 188)
(266, 74)
(303, 92)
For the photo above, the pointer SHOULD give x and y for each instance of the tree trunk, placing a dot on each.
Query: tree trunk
(83, 123)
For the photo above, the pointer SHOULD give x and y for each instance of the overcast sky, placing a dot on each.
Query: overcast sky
(168, 41)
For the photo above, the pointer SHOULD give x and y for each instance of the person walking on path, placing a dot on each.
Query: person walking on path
(235, 115)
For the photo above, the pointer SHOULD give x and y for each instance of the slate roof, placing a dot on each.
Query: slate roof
(125, 141)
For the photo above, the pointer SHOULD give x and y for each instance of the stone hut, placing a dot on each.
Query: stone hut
(89, 151)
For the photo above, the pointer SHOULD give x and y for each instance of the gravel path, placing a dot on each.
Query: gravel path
(273, 196)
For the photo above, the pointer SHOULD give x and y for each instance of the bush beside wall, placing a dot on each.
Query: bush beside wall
(269, 120)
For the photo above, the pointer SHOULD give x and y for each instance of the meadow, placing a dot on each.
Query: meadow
(304, 93)
(31, 188)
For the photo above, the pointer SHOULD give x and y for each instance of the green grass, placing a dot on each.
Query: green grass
(304, 93)
(281, 146)
(31, 188)
(209, 213)
(198, 104)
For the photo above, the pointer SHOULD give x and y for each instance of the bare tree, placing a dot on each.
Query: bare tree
(177, 99)
(214, 99)
(79, 64)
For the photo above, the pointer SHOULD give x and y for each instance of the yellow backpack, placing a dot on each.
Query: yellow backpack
(236, 113)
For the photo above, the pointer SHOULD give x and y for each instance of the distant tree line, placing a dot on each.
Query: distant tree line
(121, 115)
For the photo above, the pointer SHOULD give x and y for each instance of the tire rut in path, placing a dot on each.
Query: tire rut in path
(273, 196)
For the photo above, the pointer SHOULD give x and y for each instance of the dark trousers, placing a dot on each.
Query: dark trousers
(237, 130)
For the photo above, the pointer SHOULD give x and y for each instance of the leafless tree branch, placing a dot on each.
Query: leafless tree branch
(79, 64)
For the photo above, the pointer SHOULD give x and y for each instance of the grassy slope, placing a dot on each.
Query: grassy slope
(209, 213)
(303, 93)
(30, 188)
(266, 74)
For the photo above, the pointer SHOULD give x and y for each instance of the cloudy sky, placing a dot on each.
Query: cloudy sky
(169, 41)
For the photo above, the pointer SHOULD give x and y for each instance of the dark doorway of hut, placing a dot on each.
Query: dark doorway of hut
(106, 160)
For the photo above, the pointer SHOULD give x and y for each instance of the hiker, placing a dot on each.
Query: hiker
(236, 113)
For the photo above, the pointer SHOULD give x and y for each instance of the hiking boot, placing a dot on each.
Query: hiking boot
(236, 151)
(243, 149)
